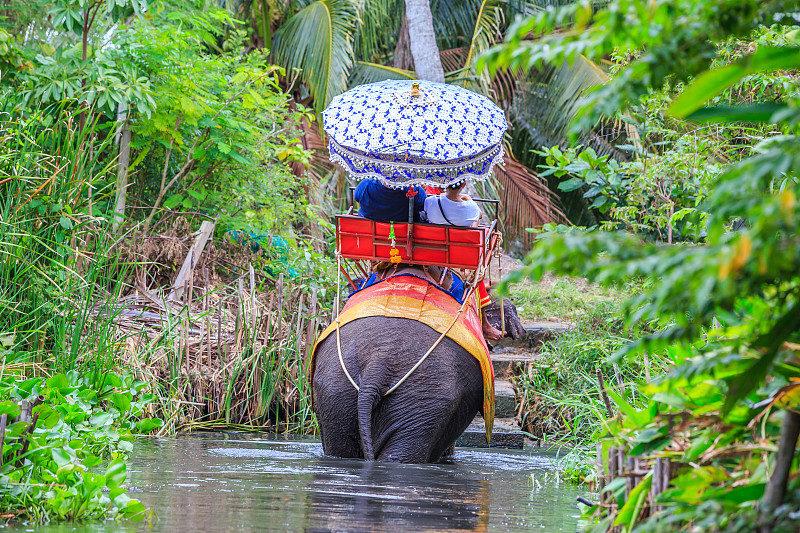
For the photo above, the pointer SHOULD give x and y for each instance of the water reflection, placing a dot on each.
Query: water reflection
(233, 482)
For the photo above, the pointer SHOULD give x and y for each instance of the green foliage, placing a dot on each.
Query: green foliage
(56, 471)
(319, 40)
(679, 37)
(658, 197)
(725, 312)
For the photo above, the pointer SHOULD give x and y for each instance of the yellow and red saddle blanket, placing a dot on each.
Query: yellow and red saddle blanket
(405, 296)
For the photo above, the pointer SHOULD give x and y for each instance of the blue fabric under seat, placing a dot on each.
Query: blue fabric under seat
(456, 289)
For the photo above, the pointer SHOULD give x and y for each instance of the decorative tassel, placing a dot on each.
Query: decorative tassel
(394, 253)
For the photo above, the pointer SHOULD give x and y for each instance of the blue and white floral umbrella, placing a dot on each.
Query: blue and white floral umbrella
(404, 134)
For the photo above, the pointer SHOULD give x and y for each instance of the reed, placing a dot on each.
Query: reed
(76, 296)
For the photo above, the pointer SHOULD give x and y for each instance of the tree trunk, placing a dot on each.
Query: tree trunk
(776, 488)
(424, 50)
(402, 52)
(122, 174)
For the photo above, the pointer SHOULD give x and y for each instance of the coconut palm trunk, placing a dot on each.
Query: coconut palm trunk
(423, 41)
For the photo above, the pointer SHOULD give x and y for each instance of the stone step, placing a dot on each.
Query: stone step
(505, 434)
(510, 363)
(536, 334)
(505, 399)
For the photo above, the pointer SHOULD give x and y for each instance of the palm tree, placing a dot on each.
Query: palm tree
(337, 44)
(423, 45)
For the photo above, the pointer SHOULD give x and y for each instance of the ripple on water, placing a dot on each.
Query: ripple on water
(231, 482)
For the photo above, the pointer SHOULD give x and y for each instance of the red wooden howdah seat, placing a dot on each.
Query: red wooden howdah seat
(418, 243)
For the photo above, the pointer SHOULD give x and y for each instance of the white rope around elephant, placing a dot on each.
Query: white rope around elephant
(470, 292)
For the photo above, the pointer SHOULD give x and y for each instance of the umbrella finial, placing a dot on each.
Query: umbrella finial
(415, 89)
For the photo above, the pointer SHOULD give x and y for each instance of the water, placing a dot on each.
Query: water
(234, 482)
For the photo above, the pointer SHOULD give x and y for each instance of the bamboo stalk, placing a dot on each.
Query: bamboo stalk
(630, 482)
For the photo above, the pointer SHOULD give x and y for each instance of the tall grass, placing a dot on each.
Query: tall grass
(561, 395)
(54, 267)
(67, 291)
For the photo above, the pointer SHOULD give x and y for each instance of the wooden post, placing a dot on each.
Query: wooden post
(27, 442)
(280, 298)
(24, 412)
(299, 327)
(192, 258)
(219, 331)
(311, 328)
(252, 296)
(601, 482)
(604, 394)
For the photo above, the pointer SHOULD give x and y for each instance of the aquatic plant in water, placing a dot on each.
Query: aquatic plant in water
(68, 460)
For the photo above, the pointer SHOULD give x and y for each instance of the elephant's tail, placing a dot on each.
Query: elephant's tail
(369, 395)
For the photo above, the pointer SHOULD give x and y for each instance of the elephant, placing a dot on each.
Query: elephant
(417, 423)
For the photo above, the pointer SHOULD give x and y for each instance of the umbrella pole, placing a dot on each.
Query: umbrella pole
(409, 238)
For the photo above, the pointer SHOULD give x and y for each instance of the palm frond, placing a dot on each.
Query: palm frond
(365, 72)
(487, 31)
(527, 201)
(453, 21)
(318, 39)
(379, 29)
(547, 100)
(453, 59)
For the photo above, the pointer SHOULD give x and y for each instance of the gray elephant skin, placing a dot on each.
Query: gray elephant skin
(417, 423)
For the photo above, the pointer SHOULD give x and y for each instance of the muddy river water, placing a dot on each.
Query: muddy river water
(235, 482)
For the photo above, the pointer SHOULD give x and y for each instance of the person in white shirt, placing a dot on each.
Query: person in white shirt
(452, 207)
(457, 209)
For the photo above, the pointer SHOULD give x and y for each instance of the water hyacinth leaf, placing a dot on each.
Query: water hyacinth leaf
(121, 402)
(101, 419)
(48, 417)
(146, 425)
(60, 456)
(92, 484)
(9, 408)
(116, 474)
(135, 510)
(60, 383)
(90, 461)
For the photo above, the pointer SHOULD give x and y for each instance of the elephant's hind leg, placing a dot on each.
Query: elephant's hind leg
(335, 404)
